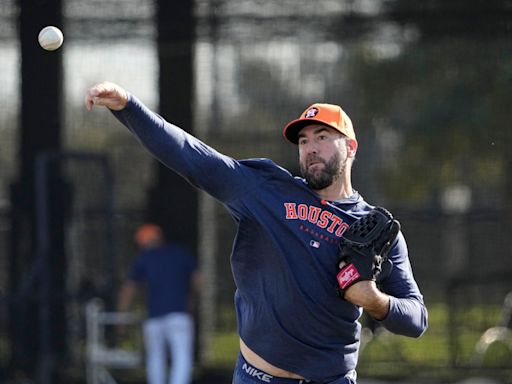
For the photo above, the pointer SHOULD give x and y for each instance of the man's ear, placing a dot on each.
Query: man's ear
(351, 147)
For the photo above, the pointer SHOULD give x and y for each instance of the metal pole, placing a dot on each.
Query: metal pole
(45, 362)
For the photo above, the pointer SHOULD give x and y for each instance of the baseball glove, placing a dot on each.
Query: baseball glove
(364, 248)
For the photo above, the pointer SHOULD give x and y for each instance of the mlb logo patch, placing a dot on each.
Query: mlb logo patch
(314, 244)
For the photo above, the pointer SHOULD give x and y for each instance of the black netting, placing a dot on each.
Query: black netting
(427, 93)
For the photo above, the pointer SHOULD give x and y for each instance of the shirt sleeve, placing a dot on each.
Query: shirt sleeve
(408, 314)
(136, 272)
(219, 175)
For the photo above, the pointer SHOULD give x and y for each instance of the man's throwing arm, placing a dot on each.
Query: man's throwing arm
(218, 174)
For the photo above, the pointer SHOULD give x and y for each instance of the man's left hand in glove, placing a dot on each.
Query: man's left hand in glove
(364, 248)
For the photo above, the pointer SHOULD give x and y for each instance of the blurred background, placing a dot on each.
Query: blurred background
(428, 85)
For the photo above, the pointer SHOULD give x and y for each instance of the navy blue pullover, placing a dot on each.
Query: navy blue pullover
(284, 257)
(166, 272)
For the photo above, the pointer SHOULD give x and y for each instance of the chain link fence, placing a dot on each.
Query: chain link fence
(258, 64)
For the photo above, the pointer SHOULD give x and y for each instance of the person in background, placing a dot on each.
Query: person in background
(171, 278)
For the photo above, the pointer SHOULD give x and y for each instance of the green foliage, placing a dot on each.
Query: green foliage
(449, 115)
(225, 347)
(498, 355)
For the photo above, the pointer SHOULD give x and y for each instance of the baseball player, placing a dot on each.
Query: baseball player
(309, 255)
(169, 276)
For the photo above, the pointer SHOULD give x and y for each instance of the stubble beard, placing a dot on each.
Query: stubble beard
(333, 169)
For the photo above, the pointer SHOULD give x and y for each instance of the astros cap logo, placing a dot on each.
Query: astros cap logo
(311, 112)
(326, 114)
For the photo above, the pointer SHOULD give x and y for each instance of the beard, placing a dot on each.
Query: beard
(323, 178)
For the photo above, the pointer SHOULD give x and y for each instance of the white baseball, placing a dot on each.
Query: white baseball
(50, 38)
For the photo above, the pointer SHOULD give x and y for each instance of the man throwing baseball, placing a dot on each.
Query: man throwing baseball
(310, 254)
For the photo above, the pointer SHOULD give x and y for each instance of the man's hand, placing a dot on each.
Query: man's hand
(366, 295)
(364, 247)
(363, 252)
(107, 95)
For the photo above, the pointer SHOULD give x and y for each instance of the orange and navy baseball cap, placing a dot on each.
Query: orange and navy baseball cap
(326, 114)
(148, 234)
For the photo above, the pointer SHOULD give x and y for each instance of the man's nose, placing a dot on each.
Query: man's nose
(312, 147)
